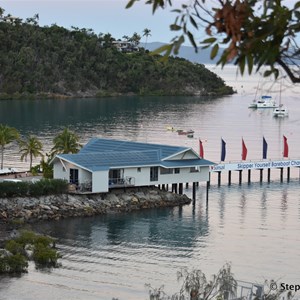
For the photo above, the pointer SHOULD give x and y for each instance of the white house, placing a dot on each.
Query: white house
(106, 163)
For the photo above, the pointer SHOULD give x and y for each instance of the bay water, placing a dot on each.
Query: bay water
(253, 226)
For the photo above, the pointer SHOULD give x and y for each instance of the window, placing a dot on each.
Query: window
(139, 169)
(177, 171)
(194, 170)
(164, 171)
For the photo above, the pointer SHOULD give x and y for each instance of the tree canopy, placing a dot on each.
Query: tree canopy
(7, 135)
(32, 147)
(66, 142)
(252, 33)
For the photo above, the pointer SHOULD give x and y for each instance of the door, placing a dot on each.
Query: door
(74, 176)
(154, 174)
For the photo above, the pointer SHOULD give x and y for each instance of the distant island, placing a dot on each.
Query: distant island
(55, 62)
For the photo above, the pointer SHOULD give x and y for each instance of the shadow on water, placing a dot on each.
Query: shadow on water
(168, 227)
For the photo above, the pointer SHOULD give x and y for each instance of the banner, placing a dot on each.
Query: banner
(265, 148)
(201, 150)
(244, 150)
(285, 147)
(223, 150)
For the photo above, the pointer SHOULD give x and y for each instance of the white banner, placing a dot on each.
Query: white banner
(255, 165)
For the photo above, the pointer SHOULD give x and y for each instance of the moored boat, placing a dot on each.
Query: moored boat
(280, 111)
(266, 102)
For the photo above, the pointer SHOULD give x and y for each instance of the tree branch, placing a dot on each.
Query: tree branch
(287, 69)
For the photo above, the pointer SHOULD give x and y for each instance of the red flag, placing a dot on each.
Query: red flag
(244, 150)
(285, 147)
(201, 150)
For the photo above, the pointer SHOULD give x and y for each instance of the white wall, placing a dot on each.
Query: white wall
(58, 172)
(143, 177)
(84, 176)
(100, 182)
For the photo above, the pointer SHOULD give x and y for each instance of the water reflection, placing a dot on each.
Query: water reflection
(166, 227)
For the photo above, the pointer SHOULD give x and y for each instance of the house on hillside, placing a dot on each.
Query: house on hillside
(125, 46)
(103, 164)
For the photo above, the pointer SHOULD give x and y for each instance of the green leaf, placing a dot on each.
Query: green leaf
(177, 44)
(242, 62)
(267, 73)
(192, 40)
(206, 46)
(297, 5)
(214, 51)
(209, 40)
(176, 11)
(193, 22)
(250, 63)
(175, 27)
(130, 3)
(165, 48)
(297, 15)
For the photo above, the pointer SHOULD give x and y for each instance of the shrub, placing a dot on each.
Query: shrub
(16, 263)
(39, 188)
(14, 258)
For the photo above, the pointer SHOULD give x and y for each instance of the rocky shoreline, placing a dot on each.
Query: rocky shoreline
(55, 207)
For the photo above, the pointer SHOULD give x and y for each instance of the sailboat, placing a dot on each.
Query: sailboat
(281, 110)
(264, 101)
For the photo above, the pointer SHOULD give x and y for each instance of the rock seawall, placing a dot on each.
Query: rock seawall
(30, 209)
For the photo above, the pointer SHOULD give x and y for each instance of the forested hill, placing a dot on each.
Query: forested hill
(51, 61)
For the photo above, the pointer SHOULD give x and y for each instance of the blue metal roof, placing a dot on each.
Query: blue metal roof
(109, 145)
(105, 154)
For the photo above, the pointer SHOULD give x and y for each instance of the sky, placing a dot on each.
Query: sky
(103, 16)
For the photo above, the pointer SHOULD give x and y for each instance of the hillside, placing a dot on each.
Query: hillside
(53, 61)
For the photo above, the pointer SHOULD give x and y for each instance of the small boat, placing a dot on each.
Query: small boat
(280, 111)
(189, 132)
(253, 104)
(266, 102)
(170, 128)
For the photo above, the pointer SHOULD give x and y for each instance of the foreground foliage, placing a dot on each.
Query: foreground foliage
(28, 246)
(40, 188)
(194, 285)
(247, 32)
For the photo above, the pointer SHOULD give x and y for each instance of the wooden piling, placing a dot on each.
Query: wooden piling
(249, 176)
(207, 189)
(261, 175)
(269, 175)
(229, 177)
(180, 186)
(281, 174)
(219, 178)
(194, 192)
(288, 174)
(240, 176)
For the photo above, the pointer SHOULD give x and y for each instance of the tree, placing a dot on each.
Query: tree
(31, 147)
(135, 39)
(146, 33)
(251, 32)
(66, 142)
(7, 135)
(195, 286)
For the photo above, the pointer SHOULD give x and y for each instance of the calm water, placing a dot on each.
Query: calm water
(255, 227)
